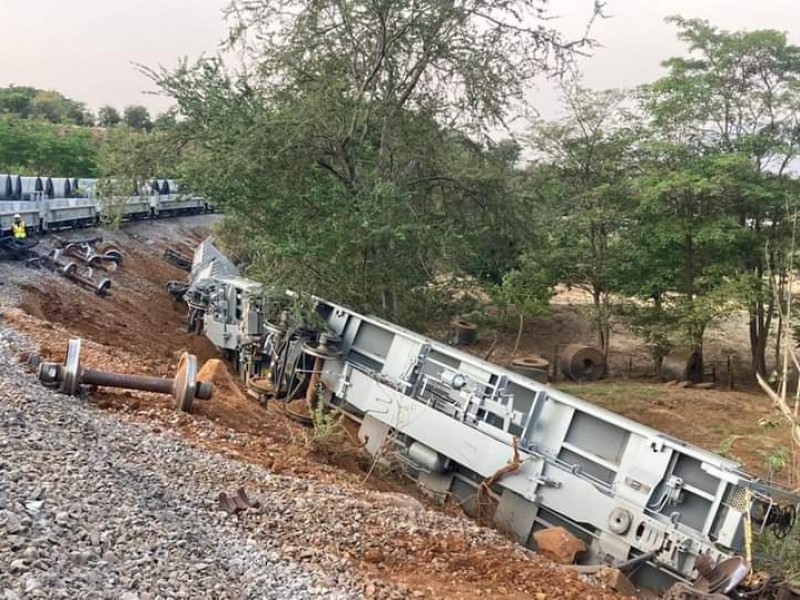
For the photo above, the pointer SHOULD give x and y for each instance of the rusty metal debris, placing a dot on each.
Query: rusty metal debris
(61, 242)
(21, 250)
(178, 259)
(177, 289)
(69, 376)
(235, 502)
(85, 253)
(86, 278)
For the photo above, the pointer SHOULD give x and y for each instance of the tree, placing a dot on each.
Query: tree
(16, 100)
(165, 120)
(56, 108)
(353, 140)
(586, 162)
(49, 105)
(108, 116)
(737, 94)
(32, 147)
(683, 245)
(137, 117)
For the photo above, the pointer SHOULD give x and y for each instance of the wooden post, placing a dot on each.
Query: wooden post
(630, 366)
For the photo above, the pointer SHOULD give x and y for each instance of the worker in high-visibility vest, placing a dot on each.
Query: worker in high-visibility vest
(18, 229)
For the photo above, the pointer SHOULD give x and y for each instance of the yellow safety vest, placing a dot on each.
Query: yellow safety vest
(18, 229)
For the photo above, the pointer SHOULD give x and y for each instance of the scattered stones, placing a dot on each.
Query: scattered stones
(616, 580)
(396, 500)
(18, 565)
(13, 523)
(103, 508)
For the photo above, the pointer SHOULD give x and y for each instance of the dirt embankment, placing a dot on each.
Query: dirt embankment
(139, 329)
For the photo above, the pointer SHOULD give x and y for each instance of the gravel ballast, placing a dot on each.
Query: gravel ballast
(93, 507)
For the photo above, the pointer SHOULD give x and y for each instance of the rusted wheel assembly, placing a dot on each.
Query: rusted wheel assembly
(101, 288)
(683, 365)
(534, 367)
(111, 251)
(184, 388)
(261, 385)
(582, 363)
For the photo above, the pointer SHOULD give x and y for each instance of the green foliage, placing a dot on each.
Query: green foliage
(108, 116)
(725, 448)
(349, 156)
(128, 161)
(725, 131)
(137, 117)
(328, 434)
(527, 289)
(777, 460)
(49, 105)
(585, 163)
(31, 147)
(131, 158)
(165, 121)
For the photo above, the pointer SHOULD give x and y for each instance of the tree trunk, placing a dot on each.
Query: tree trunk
(760, 321)
(519, 337)
(602, 326)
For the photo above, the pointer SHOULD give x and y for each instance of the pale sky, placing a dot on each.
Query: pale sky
(85, 48)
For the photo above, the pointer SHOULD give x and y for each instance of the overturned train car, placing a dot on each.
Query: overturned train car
(452, 420)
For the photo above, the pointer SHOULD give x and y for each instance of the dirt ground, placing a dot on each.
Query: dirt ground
(139, 329)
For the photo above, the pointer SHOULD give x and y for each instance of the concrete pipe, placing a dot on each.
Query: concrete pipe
(533, 367)
(683, 365)
(582, 363)
(466, 333)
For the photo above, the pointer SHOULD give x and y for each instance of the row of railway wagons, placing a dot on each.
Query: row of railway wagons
(18, 187)
(52, 203)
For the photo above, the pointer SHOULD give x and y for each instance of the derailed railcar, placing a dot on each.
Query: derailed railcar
(454, 421)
